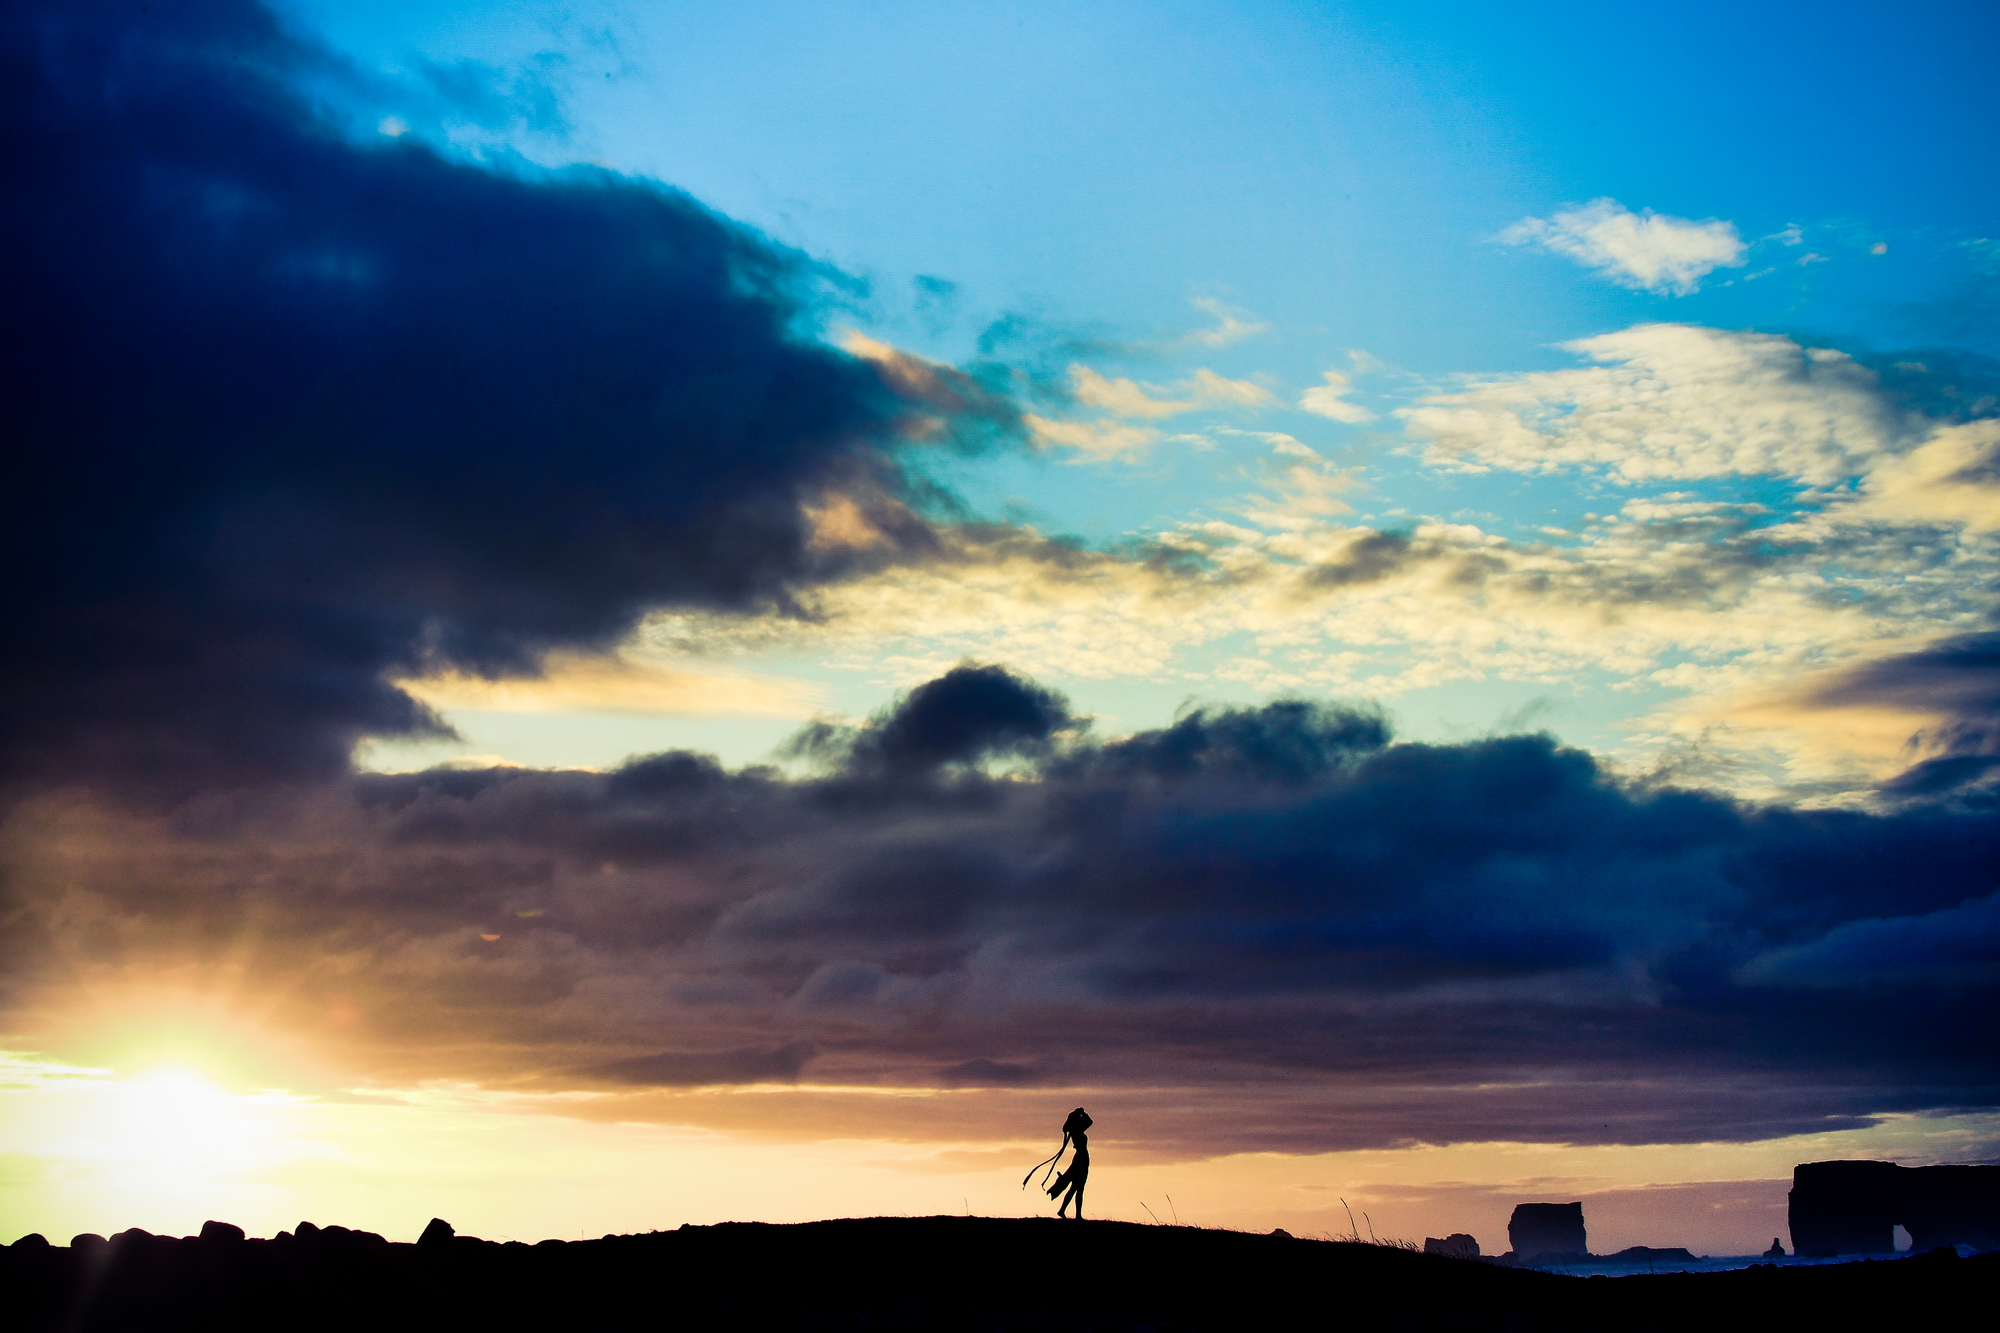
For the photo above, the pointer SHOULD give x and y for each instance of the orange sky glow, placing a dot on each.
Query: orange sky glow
(165, 1144)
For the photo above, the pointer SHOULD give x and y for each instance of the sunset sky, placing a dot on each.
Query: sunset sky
(638, 613)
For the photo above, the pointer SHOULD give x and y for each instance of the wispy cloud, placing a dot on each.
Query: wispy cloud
(1210, 388)
(1671, 401)
(571, 682)
(1127, 398)
(1093, 439)
(1122, 396)
(1650, 251)
(1906, 716)
(1113, 437)
(1231, 325)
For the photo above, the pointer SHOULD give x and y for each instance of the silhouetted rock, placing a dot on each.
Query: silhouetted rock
(439, 1232)
(341, 1237)
(88, 1240)
(305, 1230)
(1777, 1250)
(212, 1230)
(34, 1240)
(1280, 1231)
(1457, 1245)
(1547, 1230)
(1854, 1207)
(1649, 1254)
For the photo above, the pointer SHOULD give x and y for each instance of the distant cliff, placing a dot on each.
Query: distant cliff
(1855, 1207)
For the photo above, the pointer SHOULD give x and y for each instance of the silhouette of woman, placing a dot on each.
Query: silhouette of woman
(1073, 1179)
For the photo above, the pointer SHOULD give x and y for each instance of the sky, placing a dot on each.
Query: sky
(632, 614)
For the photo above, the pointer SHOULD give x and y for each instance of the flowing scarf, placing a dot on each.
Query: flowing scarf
(1050, 1163)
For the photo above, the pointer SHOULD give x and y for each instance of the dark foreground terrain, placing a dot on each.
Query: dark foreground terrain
(944, 1273)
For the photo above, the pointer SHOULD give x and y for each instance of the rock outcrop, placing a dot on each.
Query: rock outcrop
(1457, 1245)
(1855, 1207)
(1547, 1231)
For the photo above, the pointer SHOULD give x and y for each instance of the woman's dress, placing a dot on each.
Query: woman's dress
(1078, 1170)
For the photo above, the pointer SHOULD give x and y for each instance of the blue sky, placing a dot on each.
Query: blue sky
(1401, 598)
(1335, 167)
(1037, 188)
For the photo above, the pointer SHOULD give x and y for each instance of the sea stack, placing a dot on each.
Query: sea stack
(1547, 1231)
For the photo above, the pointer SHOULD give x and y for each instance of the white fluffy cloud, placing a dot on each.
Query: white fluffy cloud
(1647, 250)
(1330, 400)
(1671, 401)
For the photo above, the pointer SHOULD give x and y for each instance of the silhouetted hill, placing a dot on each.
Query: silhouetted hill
(942, 1273)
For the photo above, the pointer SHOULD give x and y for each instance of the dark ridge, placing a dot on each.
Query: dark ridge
(928, 1273)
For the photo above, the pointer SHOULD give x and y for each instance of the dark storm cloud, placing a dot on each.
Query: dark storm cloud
(1374, 941)
(969, 714)
(688, 1069)
(1958, 945)
(1288, 742)
(292, 414)
(1961, 674)
(981, 1072)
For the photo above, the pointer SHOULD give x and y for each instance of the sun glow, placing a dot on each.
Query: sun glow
(173, 1123)
(181, 1137)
